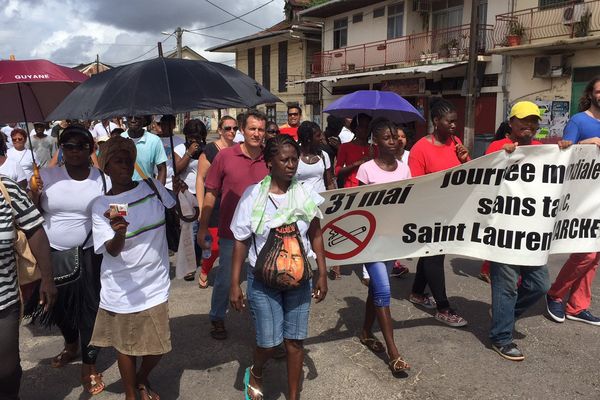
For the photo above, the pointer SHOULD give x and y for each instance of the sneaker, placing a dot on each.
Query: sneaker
(509, 351)
(585, 316)
(555, 309)
(398, 270)
(425, 301)
(450, 318)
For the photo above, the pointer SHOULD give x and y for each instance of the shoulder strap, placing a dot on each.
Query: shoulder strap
(150, 183)
(103, 181)
(140, 172)
(4, 192)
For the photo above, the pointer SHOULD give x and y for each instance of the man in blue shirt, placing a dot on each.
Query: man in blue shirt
(150, 151)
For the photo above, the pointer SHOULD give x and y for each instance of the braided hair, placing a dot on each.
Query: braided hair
(440, 107)
(306, 134)
(274, 144)
(379, 126)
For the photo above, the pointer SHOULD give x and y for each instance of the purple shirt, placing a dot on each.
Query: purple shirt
(230, 173)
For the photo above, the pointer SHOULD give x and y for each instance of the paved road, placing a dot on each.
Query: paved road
(562, 360)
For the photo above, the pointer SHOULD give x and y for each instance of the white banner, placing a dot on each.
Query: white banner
(513, 208)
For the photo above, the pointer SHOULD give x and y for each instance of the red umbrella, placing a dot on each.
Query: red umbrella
(31, 89)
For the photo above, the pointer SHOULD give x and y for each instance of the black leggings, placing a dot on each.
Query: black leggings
(430, 271)
(82, 326)
(10, 363)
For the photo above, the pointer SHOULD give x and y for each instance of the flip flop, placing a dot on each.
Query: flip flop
(202, 283)
(63, 358)
(373, 344)
(189, 276)
(247, 386)
(398, 365)
(150, 394)
(93, 384)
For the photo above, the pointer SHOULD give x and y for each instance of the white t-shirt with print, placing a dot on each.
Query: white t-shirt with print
(67, 206)
(11, 169)
(241, 227)
(166, 142)
(190, 173)
(138, 277)
(312, 175)
(24, 158)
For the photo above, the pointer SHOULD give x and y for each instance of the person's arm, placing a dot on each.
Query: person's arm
(40, 248)
(203, 166)
(181, 162)
(118, 224)
(236, 296)
(53, 161)
(208, 205)
(315, 235)
(162, 173)
(594, 140)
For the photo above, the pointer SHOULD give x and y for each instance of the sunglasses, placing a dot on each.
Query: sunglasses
(18, 139)
(132, 118)
(75, 146)
(229, 128)
(293, 114)
(275, 131)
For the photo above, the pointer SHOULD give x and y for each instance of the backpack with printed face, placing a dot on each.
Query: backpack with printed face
(282, 262)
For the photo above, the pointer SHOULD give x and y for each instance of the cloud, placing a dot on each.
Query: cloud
(75, 45)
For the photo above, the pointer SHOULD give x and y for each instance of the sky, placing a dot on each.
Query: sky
(72, 32)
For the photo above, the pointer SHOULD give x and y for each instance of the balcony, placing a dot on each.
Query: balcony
(539, 25)
(447, 45)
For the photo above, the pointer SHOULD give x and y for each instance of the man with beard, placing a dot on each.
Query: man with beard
(150, 151)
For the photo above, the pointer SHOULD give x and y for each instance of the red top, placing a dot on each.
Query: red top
(498, 144)
(293, 132)
(427, 158)
(230, 173)
(349, 153)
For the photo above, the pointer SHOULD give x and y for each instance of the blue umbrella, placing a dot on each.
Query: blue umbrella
(375, 103)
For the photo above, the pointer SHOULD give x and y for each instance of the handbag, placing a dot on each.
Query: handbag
(172, 226)
(27, 269)
(282, 262)
(66, 264)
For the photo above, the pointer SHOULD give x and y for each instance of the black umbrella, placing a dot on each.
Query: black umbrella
(162, 86)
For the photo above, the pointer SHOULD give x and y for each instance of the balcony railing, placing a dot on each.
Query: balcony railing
(450, 44)
(574, 19)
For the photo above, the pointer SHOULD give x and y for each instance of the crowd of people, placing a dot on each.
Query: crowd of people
(92, 202)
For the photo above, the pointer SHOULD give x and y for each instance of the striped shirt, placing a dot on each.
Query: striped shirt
(26, 216)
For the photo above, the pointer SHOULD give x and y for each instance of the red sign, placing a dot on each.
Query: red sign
(348, 234)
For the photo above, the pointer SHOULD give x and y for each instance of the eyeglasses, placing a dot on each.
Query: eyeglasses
(229, 128)
(275, 131)
(293, 114)
(75, 146)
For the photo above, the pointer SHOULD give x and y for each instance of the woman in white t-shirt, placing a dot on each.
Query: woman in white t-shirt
(64, 195)
(10, 167)
(384, 168)
(133, 316)
(314, 166)
(276, 222)
(19, 153)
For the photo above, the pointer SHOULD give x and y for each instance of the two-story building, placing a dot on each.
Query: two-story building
(551, 50)
(278, 55)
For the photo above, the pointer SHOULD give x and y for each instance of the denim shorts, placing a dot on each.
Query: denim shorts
(278, 314)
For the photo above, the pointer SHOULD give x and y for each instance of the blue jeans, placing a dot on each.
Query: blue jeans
(379, 284)
(510, 301)
(220, 295)
(278, 314)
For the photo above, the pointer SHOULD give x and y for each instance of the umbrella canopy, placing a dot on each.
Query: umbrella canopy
(375, 103)
(162, 86)
(31, 89)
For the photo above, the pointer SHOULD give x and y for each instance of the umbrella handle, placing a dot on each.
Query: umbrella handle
(33, 182)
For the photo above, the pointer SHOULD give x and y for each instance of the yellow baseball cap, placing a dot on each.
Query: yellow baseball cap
(523, 109)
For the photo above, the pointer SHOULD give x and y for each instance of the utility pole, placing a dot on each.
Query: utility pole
(97, 64)
(179, 36)
(472, 78)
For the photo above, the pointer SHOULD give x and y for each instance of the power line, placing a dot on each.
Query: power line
(235, 18)
(233, 15)
(142, 55)
(209, 36)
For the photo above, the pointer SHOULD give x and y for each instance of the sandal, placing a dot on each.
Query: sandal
(218, 330)
(93, 384)
(250, 390)
(146, 390)
(189, 276)
(202, 282)
(63, 358)
(372, 344)
(398, 365)
(333, 275)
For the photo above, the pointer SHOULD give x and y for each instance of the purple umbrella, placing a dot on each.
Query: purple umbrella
(375, 103)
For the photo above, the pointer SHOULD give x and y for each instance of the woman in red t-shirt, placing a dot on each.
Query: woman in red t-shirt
(435, 152)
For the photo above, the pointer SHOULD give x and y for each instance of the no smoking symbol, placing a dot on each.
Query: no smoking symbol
(348, 234)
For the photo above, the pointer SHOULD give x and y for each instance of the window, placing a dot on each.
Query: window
(282, 54)
(266, 66)
(447, 17)
(554, 3)
(357, 18)
(271, 112)
(395, 20)
(379, 12)
(251, 64)
(340, 33)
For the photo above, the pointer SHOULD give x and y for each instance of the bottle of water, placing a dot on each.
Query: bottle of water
(206, 253)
